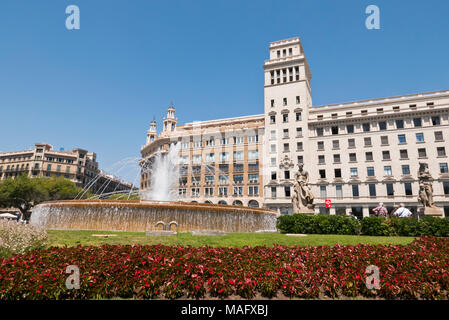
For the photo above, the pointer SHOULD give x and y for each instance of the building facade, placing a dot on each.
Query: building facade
(79, 166)
(357, 153)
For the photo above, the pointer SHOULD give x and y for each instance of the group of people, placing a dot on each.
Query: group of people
(398, 211)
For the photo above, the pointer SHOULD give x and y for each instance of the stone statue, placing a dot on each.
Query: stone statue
(425, 195)
(302, 199)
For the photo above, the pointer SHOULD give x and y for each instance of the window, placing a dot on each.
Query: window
(273, 148)
(337, 173)
(224, 141)
(334, 130)
(48, 167)
(320, 145)
(322, 173)
(210, 157)
(384, 140)
(367, 142)
(443, 168)
(350, 128)
(352, 157)
(286, 147)
(438, 135)
(403, 154)
(238, 155)
(238, 140)
(273, 135)
(284, 101)
(300, 159)
(369, 156)
(446, 187)
(337, 158)
(408, 189)
(287, 192)
(354, 172)
(272, 103)
(273, 162)
(400, 124)
(285, 117)
(223, 179)
(253, 154)
(273, 192)
(273, 175)
(417, 122)
(253, 190)
(335, 144)
(321, 159)
(366, 127)
(402, 139)
(339, 190)
(390, 190)
(290, 51)
(197, 159)
(285, 133)
(370, 171)
(238, 178)
(224, 156)
(298, 100)
(383, 125)
(272, 119)
(351, 143)
(422, 153)
(253, 139)
(297, 73)
(420, 137)
(223, 191)
(372, 190)
(441, 151)
(387, 171)
(355, 190)
(287, 174)
(299, 146)
(386, 155)
(436, 121)
(298, 116)
(298, 132)
(319, 132)
(405, 169)
(323, 193)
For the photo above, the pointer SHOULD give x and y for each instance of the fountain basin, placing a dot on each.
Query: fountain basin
(121, 215)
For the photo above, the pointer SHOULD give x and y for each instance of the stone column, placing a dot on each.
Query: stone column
(365, 212)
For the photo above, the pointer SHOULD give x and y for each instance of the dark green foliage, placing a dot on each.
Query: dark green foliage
(370, 226)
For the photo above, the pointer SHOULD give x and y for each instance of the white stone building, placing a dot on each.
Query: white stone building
(357, 153)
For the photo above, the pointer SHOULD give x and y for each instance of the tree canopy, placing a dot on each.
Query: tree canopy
(24, 192)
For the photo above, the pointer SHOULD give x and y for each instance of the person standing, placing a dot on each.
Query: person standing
(380, 210)
(403, 212)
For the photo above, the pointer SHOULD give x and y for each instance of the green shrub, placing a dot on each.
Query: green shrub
(432, 226)
(318, 224)
(371, 226)
(376, 226)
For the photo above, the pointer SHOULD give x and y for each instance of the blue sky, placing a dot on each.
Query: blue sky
(99, 87)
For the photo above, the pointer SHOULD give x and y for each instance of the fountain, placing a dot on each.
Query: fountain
(156, 208)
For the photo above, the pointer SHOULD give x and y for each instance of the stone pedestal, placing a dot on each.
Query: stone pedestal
(307, 211)
(432, 212)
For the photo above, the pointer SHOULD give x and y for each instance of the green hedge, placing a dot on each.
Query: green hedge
(372, 226)
(318, 224)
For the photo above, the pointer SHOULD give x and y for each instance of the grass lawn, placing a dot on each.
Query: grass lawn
(75, 237)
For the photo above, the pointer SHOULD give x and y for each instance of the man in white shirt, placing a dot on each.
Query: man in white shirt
(403, 212)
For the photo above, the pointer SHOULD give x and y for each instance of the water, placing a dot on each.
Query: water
(109, 215)
(164, 175)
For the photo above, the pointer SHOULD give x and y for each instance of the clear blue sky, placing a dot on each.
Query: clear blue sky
(98, 87)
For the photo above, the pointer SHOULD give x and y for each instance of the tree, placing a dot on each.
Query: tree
(22, 193)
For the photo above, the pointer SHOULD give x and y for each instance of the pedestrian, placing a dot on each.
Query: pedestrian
(380, 210)
(403, 212)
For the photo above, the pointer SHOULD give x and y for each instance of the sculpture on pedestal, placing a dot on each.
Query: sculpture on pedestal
(302, 195)
(425, 195)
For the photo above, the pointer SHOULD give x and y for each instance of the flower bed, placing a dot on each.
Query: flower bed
(419, 270)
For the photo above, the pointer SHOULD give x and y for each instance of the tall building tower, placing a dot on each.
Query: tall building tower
(287, 99)
(152, 132)
(170, 121)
